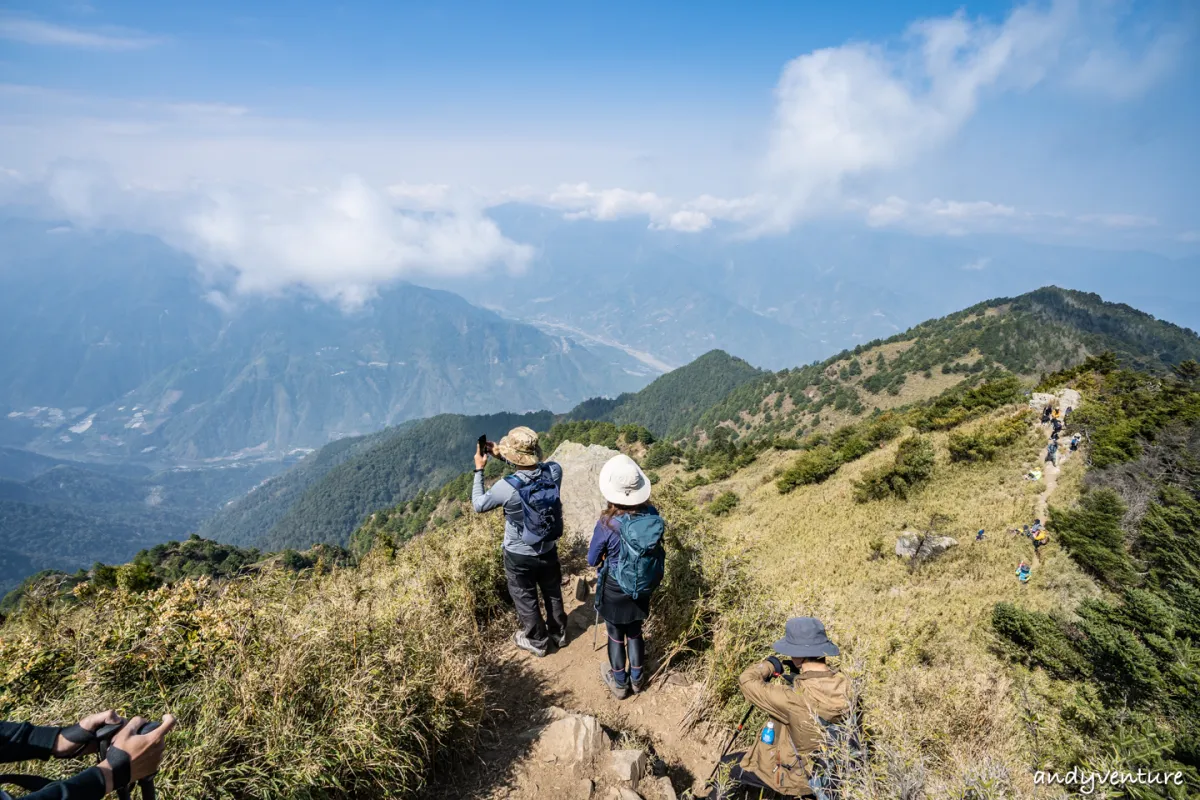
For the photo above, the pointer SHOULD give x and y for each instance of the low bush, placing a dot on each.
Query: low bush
(912, 467)
(983, 443)
(724, 503)
(812, 466)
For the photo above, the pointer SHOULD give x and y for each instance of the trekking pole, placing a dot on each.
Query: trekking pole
(729, 744)
(599, 588)
(596, 631)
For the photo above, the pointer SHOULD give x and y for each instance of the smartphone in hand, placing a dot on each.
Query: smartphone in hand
(483, 444)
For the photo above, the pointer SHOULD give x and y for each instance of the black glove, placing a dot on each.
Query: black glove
(776, 665)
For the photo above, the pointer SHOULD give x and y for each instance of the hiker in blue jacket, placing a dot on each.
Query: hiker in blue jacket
(629, 515)
(530, 548)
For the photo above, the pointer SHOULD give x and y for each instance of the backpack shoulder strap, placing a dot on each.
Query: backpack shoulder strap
(30, 783)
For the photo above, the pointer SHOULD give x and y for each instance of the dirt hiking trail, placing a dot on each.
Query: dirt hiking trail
(532, 692)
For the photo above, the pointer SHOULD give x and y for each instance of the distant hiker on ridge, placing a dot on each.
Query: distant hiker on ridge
(782, 758)
(627, 548)
(533, 524)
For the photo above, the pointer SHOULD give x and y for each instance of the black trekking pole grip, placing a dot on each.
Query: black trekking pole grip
(741, 726)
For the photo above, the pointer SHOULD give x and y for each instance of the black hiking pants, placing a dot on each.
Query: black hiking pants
(526, 576)
(745, 784)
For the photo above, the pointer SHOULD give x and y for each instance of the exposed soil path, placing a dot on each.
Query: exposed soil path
(526, 689)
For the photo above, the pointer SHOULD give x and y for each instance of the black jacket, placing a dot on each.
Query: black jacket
(20, 741)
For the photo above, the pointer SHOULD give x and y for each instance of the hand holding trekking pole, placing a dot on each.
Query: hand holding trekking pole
(131, 753)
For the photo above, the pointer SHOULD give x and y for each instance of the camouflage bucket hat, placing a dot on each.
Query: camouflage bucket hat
(520, 447)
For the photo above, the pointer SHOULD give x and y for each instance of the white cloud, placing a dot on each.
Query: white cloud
(941, 216)
(581, 201)
(1189, 236)
(1119, 220)
(584, 202)
(339, 241)
(852, 113)
(34, 31)
(978, 265)
(685, 222)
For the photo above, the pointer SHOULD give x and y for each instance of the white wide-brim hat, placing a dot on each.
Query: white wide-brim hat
(623, 483)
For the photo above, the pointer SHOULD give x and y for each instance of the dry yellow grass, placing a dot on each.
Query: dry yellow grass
(934, 691)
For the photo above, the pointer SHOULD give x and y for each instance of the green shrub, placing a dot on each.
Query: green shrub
(812, 466)
(1038, 640)
(986, 441)
(724, 503)
(913, 466)
(659, 455)
(1093, 534)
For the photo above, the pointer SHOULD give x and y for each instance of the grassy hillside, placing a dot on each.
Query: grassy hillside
(1030, 335)
(360, 680)
(333, 490)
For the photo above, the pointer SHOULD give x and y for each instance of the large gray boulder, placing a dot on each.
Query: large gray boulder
(581, 498)
(910, 545)
(1063, 399)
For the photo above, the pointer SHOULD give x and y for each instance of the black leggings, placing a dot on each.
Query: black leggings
(625, 639)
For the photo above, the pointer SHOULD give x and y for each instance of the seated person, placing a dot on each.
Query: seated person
(783, 767)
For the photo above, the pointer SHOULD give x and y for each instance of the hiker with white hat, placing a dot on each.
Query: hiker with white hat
(533, 524)
(627, 548)
(802, 707)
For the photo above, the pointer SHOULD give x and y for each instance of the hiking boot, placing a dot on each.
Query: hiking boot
(638, 686)
(522, 641)
(619, 690)
(560, 639)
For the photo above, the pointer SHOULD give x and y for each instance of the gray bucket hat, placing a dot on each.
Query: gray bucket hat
(805, 637)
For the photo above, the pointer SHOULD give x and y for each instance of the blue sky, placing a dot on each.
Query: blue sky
(1070, 121)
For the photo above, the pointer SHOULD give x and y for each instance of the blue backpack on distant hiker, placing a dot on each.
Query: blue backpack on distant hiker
(541, 507)
(642, 562)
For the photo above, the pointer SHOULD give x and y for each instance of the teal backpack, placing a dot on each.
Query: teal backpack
(642, 562)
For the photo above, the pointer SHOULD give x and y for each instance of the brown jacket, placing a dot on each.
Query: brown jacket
(785, 765)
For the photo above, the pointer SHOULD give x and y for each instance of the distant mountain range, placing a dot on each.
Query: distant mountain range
(329, 493)
(113, 352)
(778, 301)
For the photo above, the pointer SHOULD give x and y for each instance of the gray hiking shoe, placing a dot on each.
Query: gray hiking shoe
(560, 640)
(619, 690)
(638, 686)
(522, 641)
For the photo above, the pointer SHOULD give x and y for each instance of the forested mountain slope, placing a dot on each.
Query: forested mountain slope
(67, 516)
(324, 497)
(1039, 332)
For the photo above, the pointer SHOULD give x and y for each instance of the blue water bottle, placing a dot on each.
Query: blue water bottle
(768, 734)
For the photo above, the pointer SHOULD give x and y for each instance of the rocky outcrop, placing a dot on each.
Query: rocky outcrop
(1062, 399)
(913, 546)
(581, 498)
